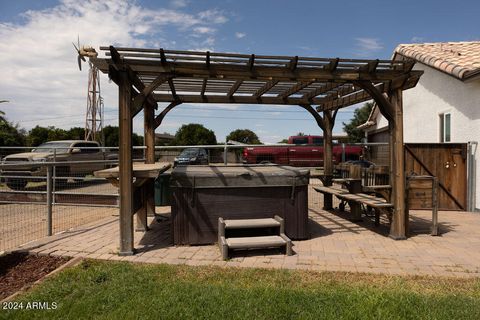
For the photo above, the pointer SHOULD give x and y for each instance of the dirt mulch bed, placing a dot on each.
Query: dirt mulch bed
(18, 270)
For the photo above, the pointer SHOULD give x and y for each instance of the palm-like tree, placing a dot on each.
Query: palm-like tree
(2, 118)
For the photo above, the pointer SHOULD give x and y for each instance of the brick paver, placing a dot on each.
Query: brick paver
(336, 244)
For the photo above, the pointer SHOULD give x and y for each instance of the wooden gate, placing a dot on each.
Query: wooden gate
(447, 162)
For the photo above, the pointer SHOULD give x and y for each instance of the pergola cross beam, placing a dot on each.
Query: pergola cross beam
(147, 90)
(268, 85)
(234, 88)
(296, 88)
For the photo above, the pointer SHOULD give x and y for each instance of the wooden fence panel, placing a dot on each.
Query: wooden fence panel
(447, 162)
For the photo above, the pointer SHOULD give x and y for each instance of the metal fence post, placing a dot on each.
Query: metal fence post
(343, 152)
(225, 153)
(54, 173)
(471, 175)
(49, 200)
(434, 231)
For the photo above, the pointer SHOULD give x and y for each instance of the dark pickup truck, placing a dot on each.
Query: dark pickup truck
(307, 152)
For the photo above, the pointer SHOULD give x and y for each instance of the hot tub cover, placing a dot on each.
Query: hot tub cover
(238, 176)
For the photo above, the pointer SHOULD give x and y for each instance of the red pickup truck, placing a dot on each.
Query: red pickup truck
(307, 152)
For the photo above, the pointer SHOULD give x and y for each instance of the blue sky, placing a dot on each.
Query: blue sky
(44, 86)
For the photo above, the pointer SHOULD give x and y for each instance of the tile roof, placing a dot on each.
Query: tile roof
(459, 59)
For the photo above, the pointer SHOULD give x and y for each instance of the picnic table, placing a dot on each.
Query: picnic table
(143, 201)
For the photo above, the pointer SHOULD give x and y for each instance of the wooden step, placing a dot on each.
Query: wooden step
(276, 241)
(255, 242)
(251, 223)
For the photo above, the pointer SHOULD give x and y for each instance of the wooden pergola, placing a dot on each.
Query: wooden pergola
(320, 86)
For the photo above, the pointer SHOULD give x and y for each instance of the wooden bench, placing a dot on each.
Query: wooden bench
(355, 200)
(383, 190)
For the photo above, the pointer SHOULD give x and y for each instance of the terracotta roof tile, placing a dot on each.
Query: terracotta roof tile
(459, 59)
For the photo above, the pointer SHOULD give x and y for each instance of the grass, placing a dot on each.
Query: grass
(116, 290)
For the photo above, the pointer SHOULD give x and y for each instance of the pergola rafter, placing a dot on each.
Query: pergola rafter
(321, 86)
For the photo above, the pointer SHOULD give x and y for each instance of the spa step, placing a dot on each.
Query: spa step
(253, 242)
(251, 223)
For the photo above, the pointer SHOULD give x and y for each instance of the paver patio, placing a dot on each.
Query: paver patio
(336, 244)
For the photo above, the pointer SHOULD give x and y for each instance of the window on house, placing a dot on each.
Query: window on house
(445, 127)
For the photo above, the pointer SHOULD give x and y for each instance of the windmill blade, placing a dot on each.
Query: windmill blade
(79, 62)
(76, 48)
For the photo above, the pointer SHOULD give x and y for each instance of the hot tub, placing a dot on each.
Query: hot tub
(202, 194)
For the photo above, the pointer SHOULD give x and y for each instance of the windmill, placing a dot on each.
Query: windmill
(94, 115)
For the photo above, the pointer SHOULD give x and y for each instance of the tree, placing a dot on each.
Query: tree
(360, 116)
(10, 134)
(244, 136)
(112, 135)
(76, 133)
(194, 134)
(39, 135)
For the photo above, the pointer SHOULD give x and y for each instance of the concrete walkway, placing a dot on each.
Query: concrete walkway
(336, 244)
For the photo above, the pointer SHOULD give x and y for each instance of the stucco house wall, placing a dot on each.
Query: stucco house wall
(438, 93)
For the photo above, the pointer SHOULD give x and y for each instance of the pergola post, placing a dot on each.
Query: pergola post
(399, 225)
(148, 188)
(125, 164)
(328, 121)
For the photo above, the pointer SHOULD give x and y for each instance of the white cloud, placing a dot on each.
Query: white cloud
(40, 76)
(216, 105)
(204, 30)
(240, 35)
(213, 15)
(179, 3)
(417, 39)
(368, 46)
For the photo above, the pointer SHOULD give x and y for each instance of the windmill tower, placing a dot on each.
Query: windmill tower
(94, 114)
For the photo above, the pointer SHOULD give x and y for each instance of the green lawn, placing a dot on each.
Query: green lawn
(111, 290)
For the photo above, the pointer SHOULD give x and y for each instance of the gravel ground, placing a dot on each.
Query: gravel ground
(21, 223)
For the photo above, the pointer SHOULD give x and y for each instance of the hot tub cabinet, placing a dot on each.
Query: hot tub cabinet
(202, 194)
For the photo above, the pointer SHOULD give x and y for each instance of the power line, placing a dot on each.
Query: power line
(242, 118)
(248, 110)
(192, 108)
(212, 117)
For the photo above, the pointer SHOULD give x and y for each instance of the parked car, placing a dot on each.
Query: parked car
(191, 156)
(28, 164)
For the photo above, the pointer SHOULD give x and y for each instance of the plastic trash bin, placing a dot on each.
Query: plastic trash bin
(163, 193)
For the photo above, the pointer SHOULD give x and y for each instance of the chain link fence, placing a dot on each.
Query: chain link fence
(44, 191)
